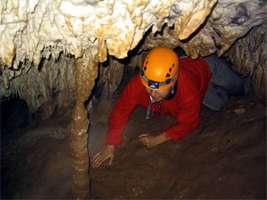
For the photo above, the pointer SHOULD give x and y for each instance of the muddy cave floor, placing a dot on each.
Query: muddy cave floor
(223, 158)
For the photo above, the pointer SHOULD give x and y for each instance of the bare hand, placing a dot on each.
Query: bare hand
(147, 140)
(151, 141)
(105, 154)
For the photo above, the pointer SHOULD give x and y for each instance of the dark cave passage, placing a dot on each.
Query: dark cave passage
(14, 113)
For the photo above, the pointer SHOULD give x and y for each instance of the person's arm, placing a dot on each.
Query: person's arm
(187, 118)
(117, 122)
(120, 113)
(153, 140)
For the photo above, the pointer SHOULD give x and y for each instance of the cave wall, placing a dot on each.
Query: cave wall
(249, 55)
(46, 86)
(111, 74)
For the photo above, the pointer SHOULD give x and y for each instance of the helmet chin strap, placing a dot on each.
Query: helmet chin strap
(149, 107)
(172, 92)
(152, 99)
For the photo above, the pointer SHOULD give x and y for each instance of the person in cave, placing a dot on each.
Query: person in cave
(171, 85)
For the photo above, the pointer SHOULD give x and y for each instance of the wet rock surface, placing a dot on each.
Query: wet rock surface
(224, 158)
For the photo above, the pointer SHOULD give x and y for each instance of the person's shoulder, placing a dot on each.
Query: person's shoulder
(184, 62)
(187, 60)
(134, 79)
(186, 81)
(135, 82)
(187, 88)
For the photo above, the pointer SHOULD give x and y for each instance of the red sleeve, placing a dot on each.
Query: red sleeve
(121, 111)
(187, 118)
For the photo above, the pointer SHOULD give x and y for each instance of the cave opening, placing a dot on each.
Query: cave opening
(14, 115)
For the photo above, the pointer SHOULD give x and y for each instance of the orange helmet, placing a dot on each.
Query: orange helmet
(160, 69)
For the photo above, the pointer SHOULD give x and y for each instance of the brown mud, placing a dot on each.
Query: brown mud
(224, 158)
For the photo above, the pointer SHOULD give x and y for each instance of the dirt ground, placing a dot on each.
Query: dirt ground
(224, 158)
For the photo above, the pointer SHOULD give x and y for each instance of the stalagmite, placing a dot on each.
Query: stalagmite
(86, 73)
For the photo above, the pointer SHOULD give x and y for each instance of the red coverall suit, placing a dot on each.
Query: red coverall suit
(193, 79)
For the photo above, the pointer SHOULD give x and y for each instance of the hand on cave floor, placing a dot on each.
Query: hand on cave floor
(152, 140)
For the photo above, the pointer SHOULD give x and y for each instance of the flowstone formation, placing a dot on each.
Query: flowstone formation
(34, 29)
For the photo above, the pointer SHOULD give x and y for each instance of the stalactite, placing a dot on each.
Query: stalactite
(85, 76)
(51, 81)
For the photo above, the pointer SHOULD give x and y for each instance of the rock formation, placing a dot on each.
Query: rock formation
(44, 43)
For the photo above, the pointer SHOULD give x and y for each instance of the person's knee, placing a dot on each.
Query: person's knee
(224, 76)
(215, 98)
